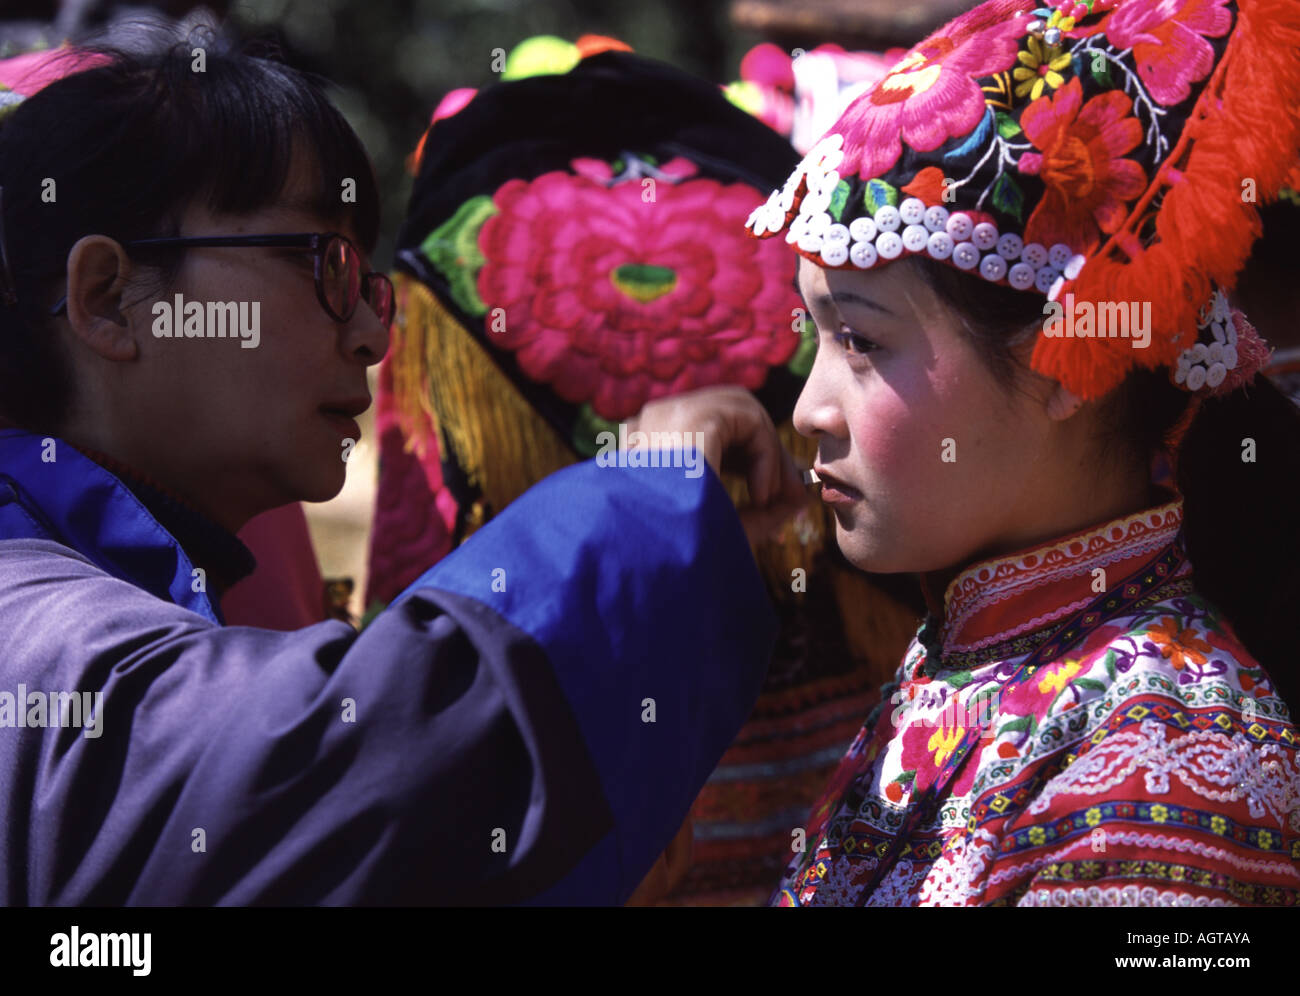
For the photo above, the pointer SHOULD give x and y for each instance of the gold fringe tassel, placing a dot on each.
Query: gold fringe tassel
(503, 445)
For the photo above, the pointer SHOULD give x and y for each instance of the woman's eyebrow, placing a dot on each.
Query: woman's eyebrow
(848, 297)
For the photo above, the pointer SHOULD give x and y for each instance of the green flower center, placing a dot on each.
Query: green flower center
(643, 282)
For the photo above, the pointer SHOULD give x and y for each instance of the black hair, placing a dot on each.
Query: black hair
(130, 144)
(1238, 463)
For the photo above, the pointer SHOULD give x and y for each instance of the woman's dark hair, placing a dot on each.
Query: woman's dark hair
(129, 146)
(1238, 464)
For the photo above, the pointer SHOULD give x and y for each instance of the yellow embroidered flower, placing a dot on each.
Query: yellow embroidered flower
(1059, 20)
(1058, 679)
(1265, 840)
(1039, 67)
(1036, 835)
(1093, 816)
(1218, 824)
(942, 743)
(1159, 813)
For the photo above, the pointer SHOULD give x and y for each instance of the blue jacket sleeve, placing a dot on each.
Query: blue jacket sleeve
(529, 722)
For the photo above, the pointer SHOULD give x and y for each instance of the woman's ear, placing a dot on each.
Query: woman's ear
(98, 271)
(1062, 403)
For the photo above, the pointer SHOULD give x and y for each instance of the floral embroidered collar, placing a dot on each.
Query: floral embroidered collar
(1007, 606)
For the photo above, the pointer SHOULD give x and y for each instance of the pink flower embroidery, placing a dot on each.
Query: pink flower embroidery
(925, 748)
(1166, 37)
(1088, 182)
(933, 93)
(614, 299)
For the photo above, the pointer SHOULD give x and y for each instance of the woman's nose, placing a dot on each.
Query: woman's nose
(817, 412)
(367, 336)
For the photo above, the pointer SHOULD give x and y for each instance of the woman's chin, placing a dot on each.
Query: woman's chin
(321, 483)
(867, 552)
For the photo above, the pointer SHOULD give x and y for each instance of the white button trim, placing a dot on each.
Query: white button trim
(1207, 362)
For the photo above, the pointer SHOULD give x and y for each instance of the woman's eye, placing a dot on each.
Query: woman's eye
(854, 343)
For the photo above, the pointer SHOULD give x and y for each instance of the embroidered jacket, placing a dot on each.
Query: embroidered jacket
(1122, 747)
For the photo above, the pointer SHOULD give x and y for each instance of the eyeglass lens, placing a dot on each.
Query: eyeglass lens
(344, 284)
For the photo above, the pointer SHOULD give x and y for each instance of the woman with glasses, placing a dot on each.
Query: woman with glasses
(529, 721)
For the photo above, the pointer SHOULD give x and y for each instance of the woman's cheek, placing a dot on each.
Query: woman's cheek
(900, 434)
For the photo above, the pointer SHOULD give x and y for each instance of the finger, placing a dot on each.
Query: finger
(767, 455)
(792, 486)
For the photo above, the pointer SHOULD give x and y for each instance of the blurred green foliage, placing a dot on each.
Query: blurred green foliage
(392, 60)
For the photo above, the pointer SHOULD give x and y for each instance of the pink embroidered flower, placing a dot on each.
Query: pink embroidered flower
(1034, 696)
(925, 747)
(933, 93)
(614, 297)
(1088, 182)
(1168, 41)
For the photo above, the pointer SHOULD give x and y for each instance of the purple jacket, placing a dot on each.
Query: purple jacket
(529, 722)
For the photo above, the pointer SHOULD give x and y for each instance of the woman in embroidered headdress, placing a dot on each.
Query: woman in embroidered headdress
(575, 250)
(1015, 248)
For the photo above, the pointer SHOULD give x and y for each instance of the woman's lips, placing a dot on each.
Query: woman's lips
(835, 491)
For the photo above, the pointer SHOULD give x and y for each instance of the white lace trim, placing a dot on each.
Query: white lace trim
(1206, 762)
(1129, 895)
(953, 879)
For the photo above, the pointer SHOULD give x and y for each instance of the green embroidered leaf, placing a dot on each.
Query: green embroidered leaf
(1008, 197)
(586, 428)
(839, 199)
(879, 193)
(801, 363)
(1016, 725)
(1008, 127)
(1110, 664)
(907, 777)
(1092, 683)
(1100, 69)
(959, 680)
(453, 250)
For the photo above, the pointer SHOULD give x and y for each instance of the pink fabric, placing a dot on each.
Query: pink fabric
(26, 74)
(415, 514)
(286, 591)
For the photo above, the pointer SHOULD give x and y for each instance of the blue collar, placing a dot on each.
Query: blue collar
(48, 490)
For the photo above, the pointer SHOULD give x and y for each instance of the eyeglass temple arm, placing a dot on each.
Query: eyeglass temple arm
(304, 240)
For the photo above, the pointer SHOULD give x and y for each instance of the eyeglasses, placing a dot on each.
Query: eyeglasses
(340, 284)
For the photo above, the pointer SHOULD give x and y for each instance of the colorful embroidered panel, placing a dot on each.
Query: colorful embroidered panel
(1148, 763)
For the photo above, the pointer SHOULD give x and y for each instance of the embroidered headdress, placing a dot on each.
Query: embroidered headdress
(574, 248)
(1105, 152)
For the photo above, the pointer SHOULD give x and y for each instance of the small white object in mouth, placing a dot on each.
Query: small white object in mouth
(810, 477)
